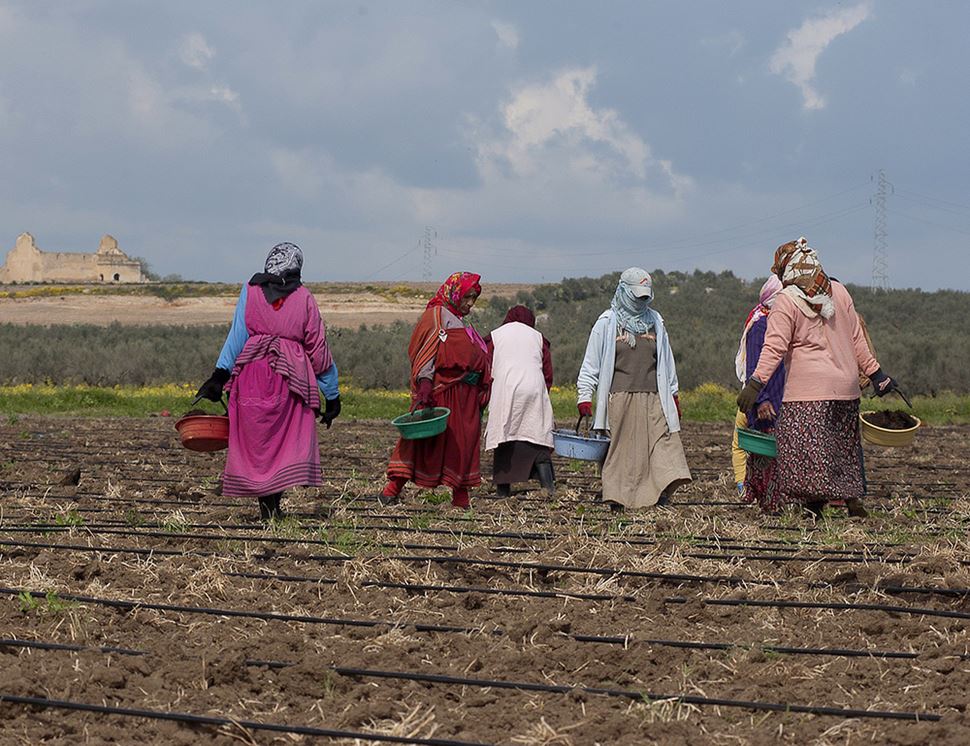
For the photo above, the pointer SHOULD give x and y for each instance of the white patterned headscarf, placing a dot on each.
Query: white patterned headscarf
(798, 267)
(284, 257)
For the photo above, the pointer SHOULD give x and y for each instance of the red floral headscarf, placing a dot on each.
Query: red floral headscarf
(454, 289)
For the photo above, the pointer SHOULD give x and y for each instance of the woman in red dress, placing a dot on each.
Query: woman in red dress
(449, 368)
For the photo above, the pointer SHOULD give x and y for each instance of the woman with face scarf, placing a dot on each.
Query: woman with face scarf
(629, 370)
(449, 368)
(275, 363)
(520, 421)
(815, 330)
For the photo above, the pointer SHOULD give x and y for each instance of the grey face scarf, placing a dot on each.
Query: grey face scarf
(281, 273)
(632, 313)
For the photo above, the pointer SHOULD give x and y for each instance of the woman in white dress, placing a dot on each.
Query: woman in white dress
(520, 420)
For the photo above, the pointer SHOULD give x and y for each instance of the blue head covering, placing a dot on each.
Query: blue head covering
(631, 304)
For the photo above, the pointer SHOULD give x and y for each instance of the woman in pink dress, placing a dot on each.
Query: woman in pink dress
(274, 365)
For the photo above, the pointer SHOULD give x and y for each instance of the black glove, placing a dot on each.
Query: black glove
(749, 394)
(881, 383)
(212, 389)
(331, 411)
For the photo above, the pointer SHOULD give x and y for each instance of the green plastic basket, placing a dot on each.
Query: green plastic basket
(758, 443)
(422, 423)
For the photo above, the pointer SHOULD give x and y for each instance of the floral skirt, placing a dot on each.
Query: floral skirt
(819, 458)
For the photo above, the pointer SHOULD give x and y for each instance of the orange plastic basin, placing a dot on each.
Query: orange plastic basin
(204, 432)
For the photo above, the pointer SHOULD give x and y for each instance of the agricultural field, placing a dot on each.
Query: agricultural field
(132, 588)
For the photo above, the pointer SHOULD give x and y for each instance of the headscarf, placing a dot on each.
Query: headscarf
(281, 273)
(631, 304)
(803, 279)
(430, 329)
(522, 314)
(766, 299)
(454, 289)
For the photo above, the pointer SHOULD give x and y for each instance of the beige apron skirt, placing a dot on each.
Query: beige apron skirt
(644, 458)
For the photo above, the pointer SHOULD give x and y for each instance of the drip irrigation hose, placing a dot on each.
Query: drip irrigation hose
(465, 681)
(189, 718)
(640, 696)
(626, 641)
(263, 615)
(539, 567)
(41, 645)
(834, 606)
(893, 589)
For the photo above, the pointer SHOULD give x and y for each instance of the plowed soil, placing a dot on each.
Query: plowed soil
(702, 623)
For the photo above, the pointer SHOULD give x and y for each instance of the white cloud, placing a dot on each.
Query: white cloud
(507, 33)
(796, 58)
(195, 51)
(559, 166)
(556, 117)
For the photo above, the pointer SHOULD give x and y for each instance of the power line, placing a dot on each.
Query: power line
(933, 199)
(880, 247)
(394, 261)
(429, 234)
(931, 222)
(580, 256)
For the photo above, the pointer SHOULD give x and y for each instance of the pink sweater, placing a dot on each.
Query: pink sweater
(823, 357)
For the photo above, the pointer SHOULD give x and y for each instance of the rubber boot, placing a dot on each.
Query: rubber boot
(664, 500)
(503, 490)
(265, 507)
(277, 511)
(547, 478)
(856, 508)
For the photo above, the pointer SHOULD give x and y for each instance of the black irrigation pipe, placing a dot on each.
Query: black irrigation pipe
(641, 696)
(270, 616)
(625, 640)
(189, 718)
(538, 567)
(482, 683)
(606, 572)
(850, 555)
(843, 556)
(40, 645)
(781, 604)
(243, 538)
(544, 567)
(425, 587)
(891, 589)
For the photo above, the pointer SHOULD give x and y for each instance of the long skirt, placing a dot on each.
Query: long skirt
(272, 436)
(819, 457)
(515, 461)
(645, 459)
(451, 458)
(739, 458)
(760, 475)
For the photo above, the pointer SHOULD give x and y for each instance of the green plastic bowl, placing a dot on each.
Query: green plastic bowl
(422, 423)
(758, 443)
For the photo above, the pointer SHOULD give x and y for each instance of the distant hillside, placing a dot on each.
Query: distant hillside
(920, 337)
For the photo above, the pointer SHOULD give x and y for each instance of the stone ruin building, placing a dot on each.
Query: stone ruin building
(26, 263)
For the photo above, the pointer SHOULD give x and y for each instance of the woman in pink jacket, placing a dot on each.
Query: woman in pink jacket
(814, 329)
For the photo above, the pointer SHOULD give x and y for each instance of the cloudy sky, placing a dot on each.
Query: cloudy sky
(538, 139)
